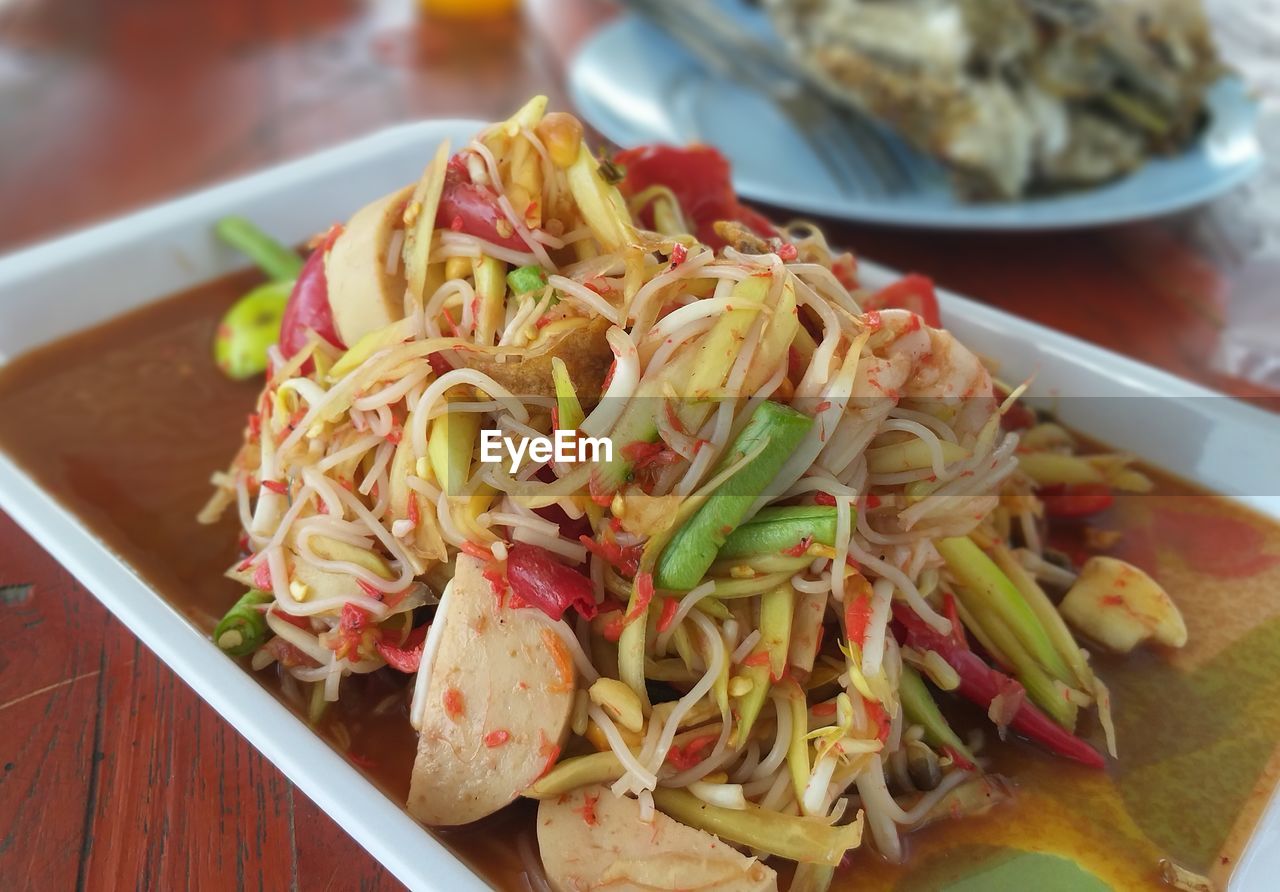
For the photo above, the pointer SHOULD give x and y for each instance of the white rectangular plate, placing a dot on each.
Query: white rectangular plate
(72, 283)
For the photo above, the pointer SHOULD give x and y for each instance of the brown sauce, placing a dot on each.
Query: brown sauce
(125, 422)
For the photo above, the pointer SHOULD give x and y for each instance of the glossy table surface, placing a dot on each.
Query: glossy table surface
(111, 770)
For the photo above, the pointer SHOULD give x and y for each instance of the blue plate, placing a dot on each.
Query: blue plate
(637, 85)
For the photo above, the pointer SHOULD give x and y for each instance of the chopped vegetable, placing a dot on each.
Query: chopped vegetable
(698, 176)
(1075, 500)
(771, 435)
(780, 530)
(569, 410)
(405, 656)
(787, 836)
(244, 628)
(248, 329)
(992, 592)
(912, 292)
(980, 684)
(539, 580)
(920, 709)
(1121, 606)
(524, 279)
(308, 308)
(280, 263)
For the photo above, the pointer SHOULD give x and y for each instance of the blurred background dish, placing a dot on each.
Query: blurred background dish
(728, 81)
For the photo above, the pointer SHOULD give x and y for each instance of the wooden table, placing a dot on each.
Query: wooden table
(114, 772)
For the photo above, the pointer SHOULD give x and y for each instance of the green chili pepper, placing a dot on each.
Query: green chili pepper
(775, 530)
(248, 329)
(244, 629)
(281, 264)
(693, 548)
(524, 279)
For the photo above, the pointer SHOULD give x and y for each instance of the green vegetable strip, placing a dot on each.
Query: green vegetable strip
(812, 878)
(798, 751)
(1040, 687)
(989, 591)
(579, 771)
(244, 629)
(762, 564)
(1048, 615)
(787, 836)
(776, 608)
(491, 292)
(774, 530)
(524, 279)
(693, 548)
(920, 709)
(728, 589)
(568, 408)
(278, 262)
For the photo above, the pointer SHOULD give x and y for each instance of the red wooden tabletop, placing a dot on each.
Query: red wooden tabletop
(113, 771)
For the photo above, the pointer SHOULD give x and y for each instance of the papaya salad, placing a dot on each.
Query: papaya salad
(762, 631)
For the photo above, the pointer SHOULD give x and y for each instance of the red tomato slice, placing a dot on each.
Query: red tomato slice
(698, 176)
(466, 207)
(912, 292)
(538, 579)
(1076, 499)
(308, 305)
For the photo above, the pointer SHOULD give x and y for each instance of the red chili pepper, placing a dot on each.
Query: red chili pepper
(698, 176)
(496, 738)
(588, 809)
(600, 492)
(262, 576)
(404, 657)
(685, 757)
(670, 606)
(759, 658)
(1072, 500)
(541, 581)
(679, 254)
(466, 207)
(799, 548)
(452, 702)
(980, 684)
(824, 498)
(788, 253)
(857, 616)
(626, 558)
(880, 716)
(613, 629)
(308, 306)
(479, 552)
(912, 292)
(439, 364)
(644, 596)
